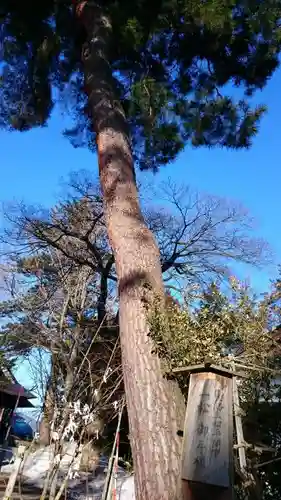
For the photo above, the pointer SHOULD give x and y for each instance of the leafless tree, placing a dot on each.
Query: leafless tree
(57, 312)
(199, 237)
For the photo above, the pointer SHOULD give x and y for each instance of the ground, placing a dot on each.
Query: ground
(86, 486)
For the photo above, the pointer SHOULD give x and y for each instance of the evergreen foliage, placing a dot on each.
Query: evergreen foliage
(173, 65)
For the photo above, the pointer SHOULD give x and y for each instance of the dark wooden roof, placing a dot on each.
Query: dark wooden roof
(10, 390)
(9, 401)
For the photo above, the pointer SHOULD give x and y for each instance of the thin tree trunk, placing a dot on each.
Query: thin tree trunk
(48, 409)
(103, 294)
(155, 406)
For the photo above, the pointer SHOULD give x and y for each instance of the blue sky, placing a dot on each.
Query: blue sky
(33, 163)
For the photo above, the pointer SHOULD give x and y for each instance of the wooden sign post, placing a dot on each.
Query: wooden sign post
(207, 461)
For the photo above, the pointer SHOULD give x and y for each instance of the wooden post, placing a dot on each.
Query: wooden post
(249, 480)
(239, 428)
(207, 458)
(14, 474)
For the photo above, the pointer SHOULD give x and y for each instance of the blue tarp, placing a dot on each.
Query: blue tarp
(20, 428)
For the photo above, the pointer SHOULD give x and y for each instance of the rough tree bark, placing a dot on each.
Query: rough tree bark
(155, 406)
(48, 410)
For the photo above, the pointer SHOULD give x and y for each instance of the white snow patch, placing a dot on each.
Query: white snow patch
(88, 486)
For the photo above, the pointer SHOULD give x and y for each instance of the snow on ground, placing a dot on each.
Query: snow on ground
(86, 486)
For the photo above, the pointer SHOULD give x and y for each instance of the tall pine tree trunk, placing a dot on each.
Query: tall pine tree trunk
(155, 406)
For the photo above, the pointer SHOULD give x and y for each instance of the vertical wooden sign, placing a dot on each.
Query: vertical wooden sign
(208, 432)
